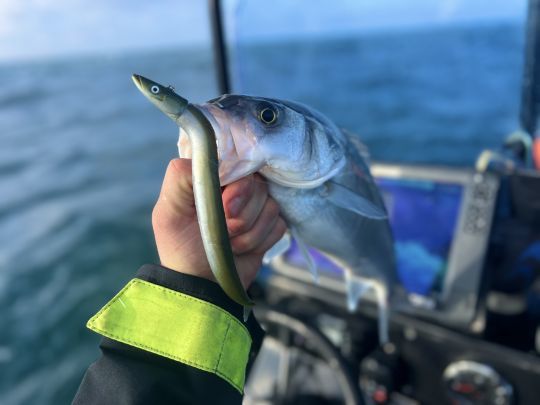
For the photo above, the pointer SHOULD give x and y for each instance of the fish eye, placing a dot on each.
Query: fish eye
(154, 89)
(268, 114)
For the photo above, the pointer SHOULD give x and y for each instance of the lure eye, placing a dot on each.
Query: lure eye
(154, 89)
(268, 115)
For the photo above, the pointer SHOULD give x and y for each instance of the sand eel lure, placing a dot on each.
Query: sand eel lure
(206, 187)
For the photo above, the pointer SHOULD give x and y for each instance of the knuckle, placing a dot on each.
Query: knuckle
(260, 184)
(174, 165)
(179, 166)
(247, 184)
(158, 219)
(283, 226)
(163, 217)
(241, 244)
(273, 207)
(237, 226)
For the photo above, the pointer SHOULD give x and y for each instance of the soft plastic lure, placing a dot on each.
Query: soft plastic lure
(206, 186)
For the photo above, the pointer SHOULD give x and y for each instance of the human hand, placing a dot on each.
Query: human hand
(252, 219)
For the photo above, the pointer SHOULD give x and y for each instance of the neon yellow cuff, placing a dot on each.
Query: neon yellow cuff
(177, 326)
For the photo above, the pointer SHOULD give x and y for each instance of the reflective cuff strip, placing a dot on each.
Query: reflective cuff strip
(177, 326)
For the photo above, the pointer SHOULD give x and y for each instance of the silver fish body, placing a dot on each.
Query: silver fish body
(318, 175)
(363, 246)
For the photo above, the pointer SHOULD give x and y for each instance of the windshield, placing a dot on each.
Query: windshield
(421, 81)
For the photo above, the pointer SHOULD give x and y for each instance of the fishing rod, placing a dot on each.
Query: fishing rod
(220, 51)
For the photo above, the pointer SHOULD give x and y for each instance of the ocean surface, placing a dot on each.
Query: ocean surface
(82, 155)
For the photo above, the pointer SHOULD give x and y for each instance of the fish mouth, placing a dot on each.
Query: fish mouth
(142, 83)
(236, 171)
(235, 160)
(287, 180)
(137, 80)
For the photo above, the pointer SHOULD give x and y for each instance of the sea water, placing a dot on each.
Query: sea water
(82, 155)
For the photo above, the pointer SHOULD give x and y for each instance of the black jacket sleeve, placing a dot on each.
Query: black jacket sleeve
(128, 375)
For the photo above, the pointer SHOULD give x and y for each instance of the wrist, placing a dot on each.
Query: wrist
(195, 268)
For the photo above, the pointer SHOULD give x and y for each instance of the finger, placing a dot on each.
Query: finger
(262, 227)
(273, 237)
(177, 188)
(236, 195)
(176, 197)
(245, 220)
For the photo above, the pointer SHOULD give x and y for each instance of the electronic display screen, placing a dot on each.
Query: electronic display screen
(423, 215)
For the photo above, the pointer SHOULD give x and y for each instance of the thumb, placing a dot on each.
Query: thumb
(177, 189)
(174, 220)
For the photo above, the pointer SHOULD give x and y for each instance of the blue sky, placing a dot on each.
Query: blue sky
(279, 18)
(37, 28)
(47, 28)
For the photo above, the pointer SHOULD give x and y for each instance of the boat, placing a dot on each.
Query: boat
(467, 241)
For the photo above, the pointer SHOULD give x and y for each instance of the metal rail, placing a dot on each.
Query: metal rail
(330, 354)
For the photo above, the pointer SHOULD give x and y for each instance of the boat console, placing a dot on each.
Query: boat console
(443, 225)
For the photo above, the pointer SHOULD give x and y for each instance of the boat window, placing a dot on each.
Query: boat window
(424, 81)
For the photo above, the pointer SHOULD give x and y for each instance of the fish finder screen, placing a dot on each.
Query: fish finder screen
(423, 215)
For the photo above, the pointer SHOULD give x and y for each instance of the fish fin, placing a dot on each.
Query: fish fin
(280, 247)
(355, 290)
(356, 287)
(247, 313)
(307, 256)
(347, 199)
(360, 147)
(381, 295)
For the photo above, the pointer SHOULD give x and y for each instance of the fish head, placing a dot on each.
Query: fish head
(287, 143)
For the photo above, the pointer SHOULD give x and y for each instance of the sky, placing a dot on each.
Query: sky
(282, 20)
(32, 29)
(45, 28)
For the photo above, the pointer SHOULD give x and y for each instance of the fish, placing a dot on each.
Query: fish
(206, 185)
(319, 175)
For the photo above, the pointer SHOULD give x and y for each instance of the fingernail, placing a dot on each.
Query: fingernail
(235, 206)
